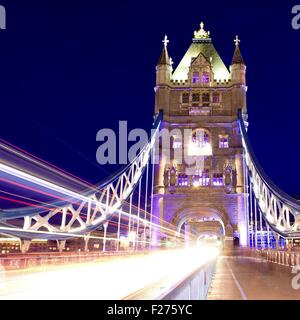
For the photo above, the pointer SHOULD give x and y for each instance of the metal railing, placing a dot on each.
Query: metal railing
(280, 211)
(194, 287)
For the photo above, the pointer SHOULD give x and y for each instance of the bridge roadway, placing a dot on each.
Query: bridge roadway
(142, 276)
(149, 276)
(243, 278)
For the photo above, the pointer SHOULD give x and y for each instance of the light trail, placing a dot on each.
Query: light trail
(75, 235)
(43, 163)
(36, 190)
(113, 279)
(24, 203)
(145, 213)
(169, 229)
(47, 165)
(69, 235)
(41, 182)
(51, 186)
(29, 199)
(48, 185)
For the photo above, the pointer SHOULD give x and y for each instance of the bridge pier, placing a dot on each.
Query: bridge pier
(25, 245)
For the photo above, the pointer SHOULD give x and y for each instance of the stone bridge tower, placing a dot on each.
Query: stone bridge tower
(201, 98)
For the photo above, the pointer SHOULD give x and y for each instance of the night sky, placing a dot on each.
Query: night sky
(70, 68)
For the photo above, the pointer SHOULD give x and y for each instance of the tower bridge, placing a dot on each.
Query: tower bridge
(202, 94)
(209, 185)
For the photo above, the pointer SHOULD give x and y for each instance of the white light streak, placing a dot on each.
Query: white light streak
(113, 279)
(41, 182)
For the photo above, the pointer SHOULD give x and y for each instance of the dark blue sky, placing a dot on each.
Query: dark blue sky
(70, 68)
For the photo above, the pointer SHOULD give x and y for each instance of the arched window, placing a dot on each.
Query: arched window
(201, 179)
(200, 137)
(200, 144)
(196, 77)
(223, 142)
(218, 180)
(183, 180)
(205, 77)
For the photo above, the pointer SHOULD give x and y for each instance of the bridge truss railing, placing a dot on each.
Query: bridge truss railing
(80, 214)
(267, 202)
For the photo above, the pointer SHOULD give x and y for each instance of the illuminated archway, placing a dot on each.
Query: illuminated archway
(210, 214)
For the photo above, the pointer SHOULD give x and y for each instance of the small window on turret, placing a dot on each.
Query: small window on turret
(185, 98)
(205, 77)
(196, 77)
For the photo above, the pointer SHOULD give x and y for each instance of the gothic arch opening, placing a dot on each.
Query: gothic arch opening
(199, 221)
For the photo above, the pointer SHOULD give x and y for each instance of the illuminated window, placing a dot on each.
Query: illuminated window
(216, 98)
(196, 77)
(196, 97)
(200, 137)
(183, 180)
(218, 180)
(202, 179)
(200, 144)
(185, 98)
(177, 143)
(205, 77)
(224, 142)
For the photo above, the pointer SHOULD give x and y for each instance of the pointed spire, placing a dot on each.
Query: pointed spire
(237, 56)
(164, 57)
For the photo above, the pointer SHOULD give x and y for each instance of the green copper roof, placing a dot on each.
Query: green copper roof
(206, 47)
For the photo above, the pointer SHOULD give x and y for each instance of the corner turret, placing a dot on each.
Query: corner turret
(238, 67)
(164, 66)
(238, 79)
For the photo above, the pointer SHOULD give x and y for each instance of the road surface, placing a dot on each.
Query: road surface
(242, 278)
(113, 279)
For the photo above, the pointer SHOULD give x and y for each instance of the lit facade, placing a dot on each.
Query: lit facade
(204, 96)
